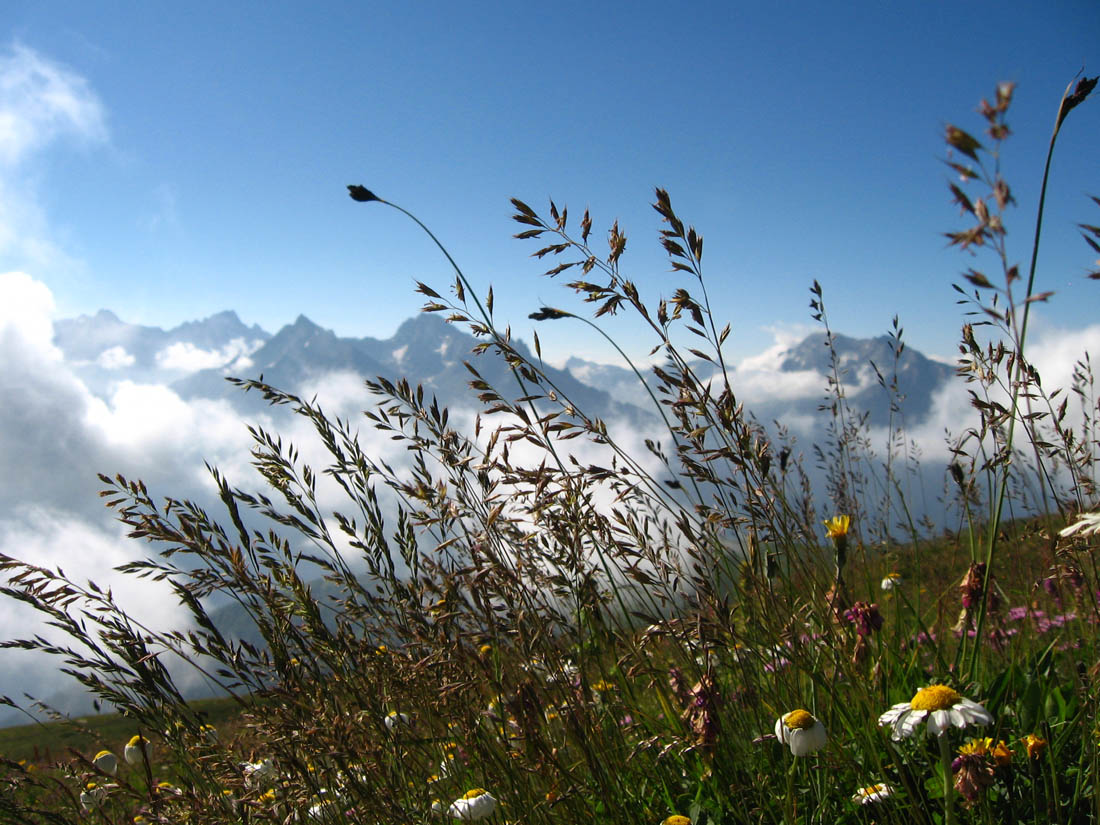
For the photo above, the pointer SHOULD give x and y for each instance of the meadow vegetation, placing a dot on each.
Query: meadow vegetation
(682, 636)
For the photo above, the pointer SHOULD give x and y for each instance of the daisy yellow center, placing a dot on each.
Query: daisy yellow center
(935, 697)
(475, 793)
(871, 790)
(798, 719)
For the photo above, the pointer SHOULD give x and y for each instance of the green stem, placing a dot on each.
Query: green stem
(948, 786)
(1018, 371)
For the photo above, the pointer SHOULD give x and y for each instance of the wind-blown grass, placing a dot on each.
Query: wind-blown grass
(578, 641)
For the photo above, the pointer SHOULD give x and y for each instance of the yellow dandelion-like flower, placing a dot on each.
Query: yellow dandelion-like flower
(1035, 745)
(941, 705)
(801, 731)
(676, 819)
(837, 526)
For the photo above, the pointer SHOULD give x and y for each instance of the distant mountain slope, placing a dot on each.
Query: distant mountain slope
(103, 349)
(918, 379)
(425, 350)
(196, 357)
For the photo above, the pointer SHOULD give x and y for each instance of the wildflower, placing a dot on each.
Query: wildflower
(1086, 525)
(972, 772)
(837, 527)
(878, 792)
(702, 710)
(865, 617)
(475, 804)
(106, 762)
(393, 719)
(676, 819)
(983, 746)
(262, 771)
(1035, 745)
(91, 796)
(892, 581)
(134, 749)
(484, 651)
(801, 731)
(943, 706)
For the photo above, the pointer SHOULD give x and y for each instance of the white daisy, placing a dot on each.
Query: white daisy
(941, 705)
(91, 796)
(475, 804)
(892, 580)
(257, 772)
(872, 793)
(133, 749)
(801, 731)
(395, 719)
(106, 762)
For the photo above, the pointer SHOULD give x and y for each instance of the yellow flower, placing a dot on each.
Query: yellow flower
(941, 705)
(676, 819)
(837, 526)
(1035, 745)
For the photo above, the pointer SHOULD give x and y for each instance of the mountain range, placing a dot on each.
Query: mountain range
(196, 357)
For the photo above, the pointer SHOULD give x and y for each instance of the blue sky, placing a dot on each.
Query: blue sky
(199, 160)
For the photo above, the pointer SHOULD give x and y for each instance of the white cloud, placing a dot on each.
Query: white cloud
(115, 358)
(186, 357)
(40, 101)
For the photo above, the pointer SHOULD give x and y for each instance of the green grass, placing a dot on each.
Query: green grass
(44, 743)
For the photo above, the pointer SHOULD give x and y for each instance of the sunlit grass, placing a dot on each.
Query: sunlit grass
(590, 641)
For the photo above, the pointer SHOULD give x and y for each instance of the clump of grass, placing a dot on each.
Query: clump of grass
(599, 640)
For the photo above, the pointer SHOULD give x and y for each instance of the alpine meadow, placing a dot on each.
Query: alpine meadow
(538, 619)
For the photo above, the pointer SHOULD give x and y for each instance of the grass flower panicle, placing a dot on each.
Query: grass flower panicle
(941, 705)
(801, 731)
